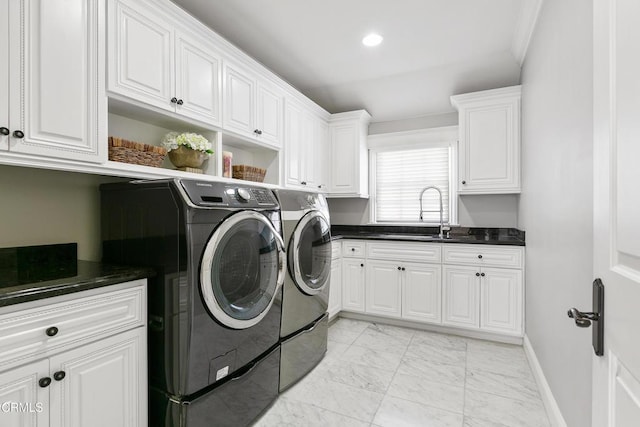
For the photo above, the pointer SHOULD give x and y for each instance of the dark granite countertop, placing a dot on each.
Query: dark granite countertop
(86, 275)
(466, 235)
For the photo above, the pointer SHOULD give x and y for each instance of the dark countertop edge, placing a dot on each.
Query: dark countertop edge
(396, 238)
(48, 289)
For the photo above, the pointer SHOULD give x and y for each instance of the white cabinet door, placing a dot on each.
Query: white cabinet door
(501, 300)
(269, 112)
(307, 160)
(293, 144)
(344, 158)
(421, 293)
(4, 73)
(489, 151)
(383, 287)
(21, 387)
(335, 287)
(322, 154)
(460, 305)
(198, 80)
(353, 292)
(239, 100)
(104, 383)
(141, 54)
(57, 102)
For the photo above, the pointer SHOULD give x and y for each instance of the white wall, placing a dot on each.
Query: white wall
(556, 202)
(473, 211)
(42, 207)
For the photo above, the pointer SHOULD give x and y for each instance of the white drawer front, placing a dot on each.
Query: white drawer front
(353, 249)
(336, 249)
(23, 333)
(484, 255)
(405, 251)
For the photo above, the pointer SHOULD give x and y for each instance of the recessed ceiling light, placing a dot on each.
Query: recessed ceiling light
(372, 39)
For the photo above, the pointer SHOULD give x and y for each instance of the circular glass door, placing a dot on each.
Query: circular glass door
(310, 253)
(242, 269)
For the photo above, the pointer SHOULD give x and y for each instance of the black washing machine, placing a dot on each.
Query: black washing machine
(214, 306)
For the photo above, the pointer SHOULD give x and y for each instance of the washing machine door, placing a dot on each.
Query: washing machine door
(310, 253)
(242, 269)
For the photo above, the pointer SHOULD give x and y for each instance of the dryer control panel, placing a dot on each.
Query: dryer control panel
(218, 194)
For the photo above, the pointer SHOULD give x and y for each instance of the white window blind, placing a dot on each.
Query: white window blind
(400, 177)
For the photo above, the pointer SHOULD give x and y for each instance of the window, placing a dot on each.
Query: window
(402, 165)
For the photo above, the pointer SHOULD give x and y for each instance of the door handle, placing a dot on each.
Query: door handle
(585, 319)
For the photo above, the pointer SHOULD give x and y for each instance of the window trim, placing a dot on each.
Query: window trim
(412, 140)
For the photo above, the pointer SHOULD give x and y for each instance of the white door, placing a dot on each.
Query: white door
(616, 375)
(269, 114)
(335, 287)
(239, 101)
(141, 56)
(57, 101)
(460, 296)
(103, 384)
(501, 300)
(322, 153)
(21, 386)
(344, 155)
(4, 76)
(353, 284)
(421, 293)
(293, 144)
(198, 80)
(382, 280)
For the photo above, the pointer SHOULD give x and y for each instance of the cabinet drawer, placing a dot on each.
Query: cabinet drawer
(24, 333)
(353, 249)
(336, 249)
(404, 251)
(484, 255)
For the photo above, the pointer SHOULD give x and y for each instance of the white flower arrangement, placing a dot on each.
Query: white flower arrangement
(173, 140)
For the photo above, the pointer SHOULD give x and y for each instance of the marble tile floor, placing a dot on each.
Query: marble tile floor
(386, 376)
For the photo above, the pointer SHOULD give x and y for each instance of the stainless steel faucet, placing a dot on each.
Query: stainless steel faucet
(433, 187)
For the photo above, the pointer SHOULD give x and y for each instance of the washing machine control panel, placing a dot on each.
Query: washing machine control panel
(211, 194)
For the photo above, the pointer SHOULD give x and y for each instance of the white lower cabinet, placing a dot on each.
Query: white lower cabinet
(421, 294)
(99, 379)
(383, 289)
(473, 292)
(501, 300)
(353, 284)
(460, 304)
(335, 288)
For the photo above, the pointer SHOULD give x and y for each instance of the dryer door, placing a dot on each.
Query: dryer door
(310, 253)
(242, 269)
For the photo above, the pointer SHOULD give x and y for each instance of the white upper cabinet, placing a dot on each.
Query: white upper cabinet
(253, 107)
(489, 141)
(306, 147)
(349, 156)
(152, 60)
(52, 83)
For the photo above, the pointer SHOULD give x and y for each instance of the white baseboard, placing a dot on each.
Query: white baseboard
(553, 410)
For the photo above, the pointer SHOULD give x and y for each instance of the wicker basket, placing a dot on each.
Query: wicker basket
(121, 150)
(249, 173)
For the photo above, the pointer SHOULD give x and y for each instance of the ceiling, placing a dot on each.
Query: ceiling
(432, 49)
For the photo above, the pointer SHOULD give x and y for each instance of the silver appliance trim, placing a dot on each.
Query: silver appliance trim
(296, 238)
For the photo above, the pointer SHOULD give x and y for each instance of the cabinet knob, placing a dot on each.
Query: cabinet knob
(464, 182)
(304, 183)
(361, 265)
(18, 134)
(44, 382)
(4, 131)
(482, 274)
(353, 249)
(180, 102)
(257, 132)
(59, 376)
(399, 268)
(403, 269)
(174, 100)
(480, 256)
(52, 331)
(477, 274)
